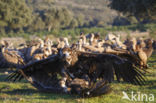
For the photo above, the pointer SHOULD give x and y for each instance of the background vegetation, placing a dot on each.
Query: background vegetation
(142, 10)
(61, 17)
(74, 33)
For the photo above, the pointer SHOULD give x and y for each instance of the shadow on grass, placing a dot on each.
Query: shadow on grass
(150, 82)
(152, 61)
(55, 96)
(3, 78)
(152, 87)
(21, 91)
(42, 95)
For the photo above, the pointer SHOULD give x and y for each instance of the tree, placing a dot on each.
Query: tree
(56, 18)
(80, 20)
(141, 9)
(14, 14)
(67, 17)
(73, 23)
(37, 24)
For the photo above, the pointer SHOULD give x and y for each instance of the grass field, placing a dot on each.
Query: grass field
(73, 33)
(23, 92)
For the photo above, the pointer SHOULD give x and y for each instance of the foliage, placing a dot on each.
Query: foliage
(73, 33)
(55, 18)
(73, 23)
(14, 14)
(141, 9)
(29, 16)
(37, 15)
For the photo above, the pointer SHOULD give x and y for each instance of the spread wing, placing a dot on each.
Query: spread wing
(106, 65)
(41, 74)
(88, 67)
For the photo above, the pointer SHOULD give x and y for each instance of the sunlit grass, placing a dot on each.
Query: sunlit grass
(73, 33)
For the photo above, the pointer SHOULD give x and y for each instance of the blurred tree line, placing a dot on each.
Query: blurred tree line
(141, 10)
(35, 15)
(38, 15)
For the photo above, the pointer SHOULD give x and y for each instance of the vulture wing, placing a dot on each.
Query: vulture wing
(105, 66)
(42, 74)
(53, 73)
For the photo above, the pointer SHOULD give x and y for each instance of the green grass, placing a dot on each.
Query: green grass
(23, 92)
(73, 33)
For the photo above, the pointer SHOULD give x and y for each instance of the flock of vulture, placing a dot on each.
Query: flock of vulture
(85, 68)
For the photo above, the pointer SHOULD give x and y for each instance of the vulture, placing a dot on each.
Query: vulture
(149, 47)
(75, 72)
(10, 58)
(144, 52)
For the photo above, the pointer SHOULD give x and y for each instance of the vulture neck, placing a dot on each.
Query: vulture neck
(66, 42)
(92, 38)
(134, 46)
(80, 45)
(148, 50)
(84, 40)
(41, 44)
(118, 41)
(3, 49)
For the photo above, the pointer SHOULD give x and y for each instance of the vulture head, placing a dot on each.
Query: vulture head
(149, 43)
(70, 55)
